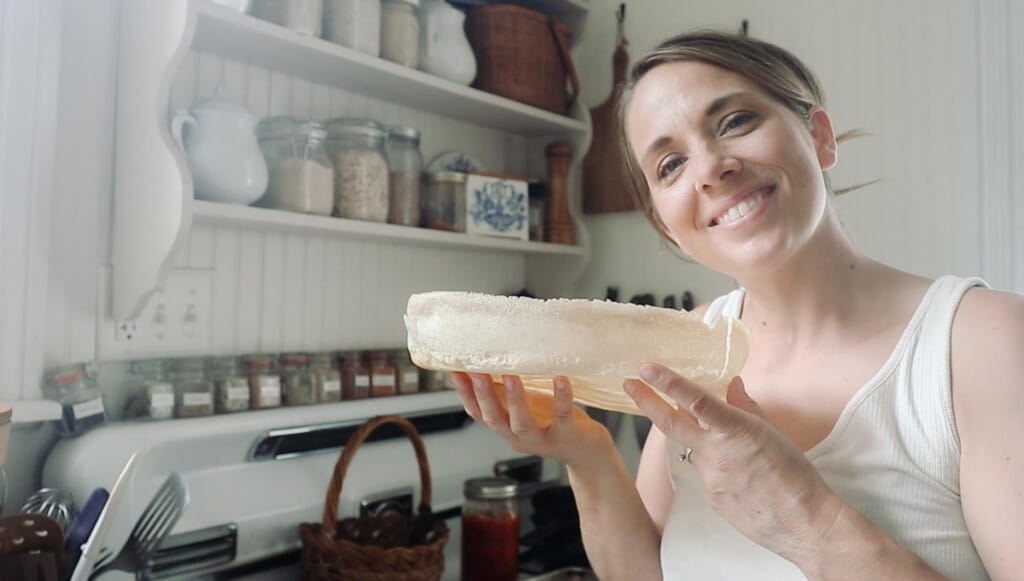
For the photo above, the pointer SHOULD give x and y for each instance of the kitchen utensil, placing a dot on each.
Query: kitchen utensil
(152, 527)
(33, 566)
(92, 547)
(604, 181)
(54, 503)
(444, 49)
(25, 533)
(79, 531)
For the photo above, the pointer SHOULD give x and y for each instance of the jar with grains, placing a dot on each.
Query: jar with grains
(326, 378)
(490, 529)
(353, 23)
(74, 387)
(406, 176)
(382, 374)
(302, 16)
(445, 206)
(355, 377)
(407, 375)
(400, 32)
(230, 385)
(356, 147)
(264, 381)
(154, 398)
(193, 389)
(301, 177)
(297, 386)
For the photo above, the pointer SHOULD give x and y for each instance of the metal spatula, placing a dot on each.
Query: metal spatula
(158, 518)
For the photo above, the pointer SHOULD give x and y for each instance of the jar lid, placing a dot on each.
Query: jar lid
(294, 359)
(258, 360)
(66, 374)
(344, 126)
(491, 487)
(286, 126)
(413, 2)
(446, 176)
(410, 133)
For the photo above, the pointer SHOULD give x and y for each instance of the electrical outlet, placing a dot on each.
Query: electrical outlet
(126, 331)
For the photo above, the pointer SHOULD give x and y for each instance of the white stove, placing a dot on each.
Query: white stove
(255, 476)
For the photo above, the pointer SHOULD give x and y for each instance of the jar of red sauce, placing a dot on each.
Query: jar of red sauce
(490, 530)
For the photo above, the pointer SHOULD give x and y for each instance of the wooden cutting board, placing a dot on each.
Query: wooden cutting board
(604, 182)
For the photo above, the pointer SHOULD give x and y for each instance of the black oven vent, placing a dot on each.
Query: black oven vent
(280, 444)
(195, 551)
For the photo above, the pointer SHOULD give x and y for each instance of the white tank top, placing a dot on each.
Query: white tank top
(894, 455)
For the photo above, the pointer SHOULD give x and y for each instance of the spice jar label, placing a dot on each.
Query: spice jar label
(161, 400)
(384, 380)
(238, 392)
(411, 377)
(87, 408)
(332, 386)
(196, 399)
(270, 388)
(362, 381)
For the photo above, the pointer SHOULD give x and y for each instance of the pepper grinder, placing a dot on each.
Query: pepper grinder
(558, 221)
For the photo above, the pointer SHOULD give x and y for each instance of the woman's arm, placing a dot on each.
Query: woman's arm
(652, 479)
(988, 402)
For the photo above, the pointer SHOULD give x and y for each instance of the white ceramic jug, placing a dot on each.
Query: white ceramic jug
(219, 140)
(444, 49)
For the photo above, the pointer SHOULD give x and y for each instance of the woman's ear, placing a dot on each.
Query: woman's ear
(824, 139)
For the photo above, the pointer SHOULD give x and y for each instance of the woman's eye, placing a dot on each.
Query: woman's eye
(670, 165)
(736, 121)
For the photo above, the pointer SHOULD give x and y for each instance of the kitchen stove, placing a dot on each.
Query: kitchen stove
(255, 476)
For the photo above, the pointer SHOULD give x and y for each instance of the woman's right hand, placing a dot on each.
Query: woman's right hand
(536, 423)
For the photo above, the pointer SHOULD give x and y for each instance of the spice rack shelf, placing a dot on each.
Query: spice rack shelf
(212, 213)
(253, 41)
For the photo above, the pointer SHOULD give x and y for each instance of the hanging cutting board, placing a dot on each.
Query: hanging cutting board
(604, 182)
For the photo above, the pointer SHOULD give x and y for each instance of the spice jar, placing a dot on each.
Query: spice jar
(297, 386)
(446, 201)
(490, 530)
(264, 382)
(230, 385)
(355, 377)
(301, 177)
(193, 390)
(405, 166)
(155, 397)
(302, 16)
(382, 374)
(353, 23)
(407, 375)
(356, 147)
(326, 379)
(400, 32)
(74, 387)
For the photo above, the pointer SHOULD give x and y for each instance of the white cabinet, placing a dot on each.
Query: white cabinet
(172, 53)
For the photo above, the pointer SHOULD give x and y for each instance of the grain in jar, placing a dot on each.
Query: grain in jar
(326, 378)
(445, 206)
(74, 387)
(301, 176)
(405, 164)
(355, 377)
(302, 16)
(356, 147)
(353, 23)
(382, 374)
(230, 386)
(407, 375)
(400, 32)
(297, 386)
(193, 390)
(264, 381)
(154, 399)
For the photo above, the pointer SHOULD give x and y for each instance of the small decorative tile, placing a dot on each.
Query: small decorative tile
(497, 207)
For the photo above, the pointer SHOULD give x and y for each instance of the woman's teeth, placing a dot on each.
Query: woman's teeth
(741, 209)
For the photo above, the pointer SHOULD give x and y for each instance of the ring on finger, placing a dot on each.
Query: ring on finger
(687, 456)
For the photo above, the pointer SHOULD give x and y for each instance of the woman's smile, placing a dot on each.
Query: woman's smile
(743, 210)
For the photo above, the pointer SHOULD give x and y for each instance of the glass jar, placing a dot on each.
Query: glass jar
(400, 32)
(353, 23)
(382, 374)
(301, 177)
(155, 397)
(407, 375)
(405, 178)
(264, 382)
(193, 389)
(356, 147)
(446, 201)
(231, 386)
(326, 379)
(490, 529)
(297, 386)
(536, 211)
(302, 16)
(355, 377)
(74, 387)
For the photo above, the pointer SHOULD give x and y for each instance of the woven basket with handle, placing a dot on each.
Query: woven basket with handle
(375, 548)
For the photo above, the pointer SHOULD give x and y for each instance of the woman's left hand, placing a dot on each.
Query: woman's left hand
(753, 476)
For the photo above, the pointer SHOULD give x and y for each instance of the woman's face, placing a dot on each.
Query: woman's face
(734, 175)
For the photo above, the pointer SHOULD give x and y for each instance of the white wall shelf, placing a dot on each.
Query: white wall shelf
(212, 213)
(254, 41)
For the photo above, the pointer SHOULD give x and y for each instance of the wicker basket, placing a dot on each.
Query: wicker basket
(524, 55)
(375, 548)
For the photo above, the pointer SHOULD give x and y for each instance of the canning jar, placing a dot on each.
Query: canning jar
(302, 16)
(326, 379)
(400, 32)
(355, 377)
(301, 177)
(490, 529)
(407, 375)
(193, 389)
(382, 374)
(264, 382)
(74, 387)
(405, 165)
(297, 386)
(356, 147)
(231, 386)
(353, 23)
(154, 399)
(445, 206)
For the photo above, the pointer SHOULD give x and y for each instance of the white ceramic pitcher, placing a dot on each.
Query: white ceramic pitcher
(444, 49)
(219, 140)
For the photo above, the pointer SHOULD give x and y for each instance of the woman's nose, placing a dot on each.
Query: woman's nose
(713, 169)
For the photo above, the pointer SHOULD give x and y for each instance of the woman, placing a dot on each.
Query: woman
(877, 430)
